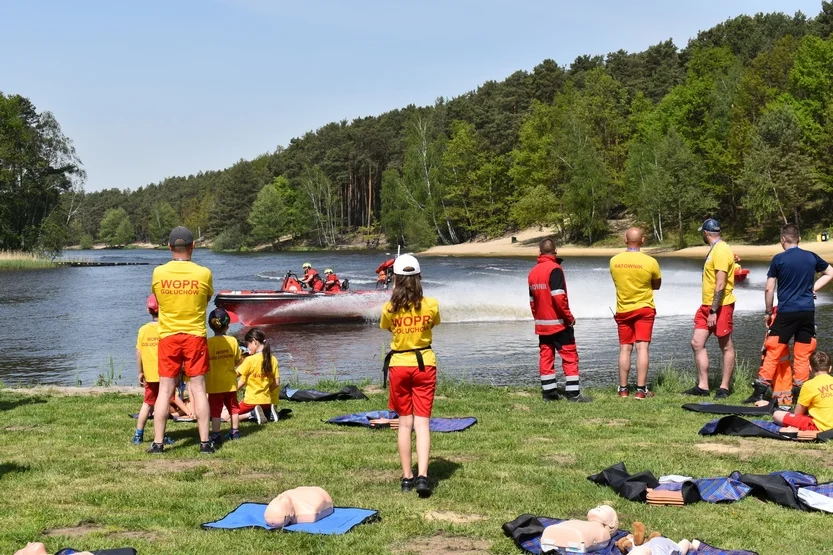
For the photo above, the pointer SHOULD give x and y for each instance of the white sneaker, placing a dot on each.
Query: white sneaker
(260, 416)
(274, 414)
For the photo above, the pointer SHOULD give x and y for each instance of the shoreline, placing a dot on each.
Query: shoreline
(526, 246)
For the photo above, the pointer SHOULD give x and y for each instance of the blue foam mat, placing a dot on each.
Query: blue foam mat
(250, 515)
(439, 425)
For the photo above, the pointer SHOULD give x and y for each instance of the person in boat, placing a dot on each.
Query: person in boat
(411, 317)
(331, 282)
(384, 274)
(311, 278)
(793, 272)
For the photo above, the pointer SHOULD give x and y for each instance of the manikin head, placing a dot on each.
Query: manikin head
(790, 236)
(606, 516)
(711, 231)
(547, 246)
(300, 505)
(634, 238)
(39, 549)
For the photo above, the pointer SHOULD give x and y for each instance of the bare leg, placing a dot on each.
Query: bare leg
(215, 425)
(235, 421)
(701, 357)
(161, 408)
(624, 363)
(403, 442)
(728, 349)
(423, 444)
(642, 363)
(143, 416)
(779, 415)
(200, 403)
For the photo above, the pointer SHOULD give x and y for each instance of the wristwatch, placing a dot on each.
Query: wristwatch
(712, 311)
(768, 313)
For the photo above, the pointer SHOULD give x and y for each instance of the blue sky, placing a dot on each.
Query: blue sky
(153, 89)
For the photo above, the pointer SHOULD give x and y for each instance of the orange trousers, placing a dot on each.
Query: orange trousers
(775, 369)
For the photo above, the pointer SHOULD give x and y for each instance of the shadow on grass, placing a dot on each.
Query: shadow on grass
(9, 468)
(440, 469)
(192, 437)
(9, 404)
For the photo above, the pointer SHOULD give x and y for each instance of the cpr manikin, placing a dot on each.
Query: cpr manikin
(298, 506)
(664, 546)
(39, 549)
(588, 535)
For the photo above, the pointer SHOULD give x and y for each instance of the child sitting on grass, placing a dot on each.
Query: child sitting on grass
(259, 374)
(221, 380)
(814, 410)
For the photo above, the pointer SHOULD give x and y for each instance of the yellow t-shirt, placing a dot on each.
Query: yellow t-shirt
(183, 290)
(817, 395)
(257, 383)
(411, 329)
(146, 343)
(632, 273)
(720, 258)
(223, 356)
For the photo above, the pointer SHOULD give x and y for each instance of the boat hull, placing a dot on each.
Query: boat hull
(276, 308)
(741, 275)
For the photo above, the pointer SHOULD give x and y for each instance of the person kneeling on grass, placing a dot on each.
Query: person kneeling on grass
(410, 317)
(259, 374)
(814, 411)
(221, 380)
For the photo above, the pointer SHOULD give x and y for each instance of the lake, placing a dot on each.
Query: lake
(71, 325)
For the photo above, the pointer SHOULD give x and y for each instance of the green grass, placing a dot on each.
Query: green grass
(18, 260)
(67, 462)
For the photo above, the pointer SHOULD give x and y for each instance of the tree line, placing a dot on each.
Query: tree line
(738, 125)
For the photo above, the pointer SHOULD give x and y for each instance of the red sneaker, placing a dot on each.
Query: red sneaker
(643, 394)
(623, 391)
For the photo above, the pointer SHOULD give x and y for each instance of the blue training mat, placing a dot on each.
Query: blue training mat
(440, 425)
(533, 545)
(250, 515)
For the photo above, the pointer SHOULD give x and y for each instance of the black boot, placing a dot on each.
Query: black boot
(552, 395)
(758, 392)
(577, 397)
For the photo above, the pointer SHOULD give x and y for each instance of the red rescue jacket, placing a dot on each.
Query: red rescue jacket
(548, 296)
(314, 280)
(332, 284)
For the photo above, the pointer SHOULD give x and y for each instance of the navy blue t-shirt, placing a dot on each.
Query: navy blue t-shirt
(795, 269)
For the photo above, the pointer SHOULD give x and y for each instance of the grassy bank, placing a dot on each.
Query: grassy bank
(70, 476)
(17, 260)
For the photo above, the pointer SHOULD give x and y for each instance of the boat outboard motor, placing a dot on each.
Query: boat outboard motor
(345, 285)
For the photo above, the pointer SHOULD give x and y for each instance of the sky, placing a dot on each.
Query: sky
(152, 89)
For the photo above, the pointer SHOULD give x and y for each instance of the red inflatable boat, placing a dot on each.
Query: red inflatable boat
(294, 304)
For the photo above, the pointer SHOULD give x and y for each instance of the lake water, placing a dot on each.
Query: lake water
(68, 325)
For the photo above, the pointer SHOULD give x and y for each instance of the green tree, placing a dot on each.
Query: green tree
(274, 212)
(124, 233)
(163, 219)
(111, 231)
(778, 175)
(37, 164)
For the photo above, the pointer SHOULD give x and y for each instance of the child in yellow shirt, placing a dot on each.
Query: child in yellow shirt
(814, 410)
(221, 380)
(259, 374)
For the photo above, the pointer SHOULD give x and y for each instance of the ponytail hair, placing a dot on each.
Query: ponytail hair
(256, 334)
(407, 293)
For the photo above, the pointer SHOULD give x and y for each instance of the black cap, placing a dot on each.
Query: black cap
(180, 237)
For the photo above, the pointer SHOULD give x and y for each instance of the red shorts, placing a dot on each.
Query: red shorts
(151, 392)
(636, 325)
(412, 390)
(246, 407)
(183, 348)
(803, 422)
(216, 402)
(725, 319)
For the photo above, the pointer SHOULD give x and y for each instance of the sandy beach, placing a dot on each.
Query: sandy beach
(526, 245)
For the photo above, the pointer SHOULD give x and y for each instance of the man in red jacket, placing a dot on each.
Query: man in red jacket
(554, 325)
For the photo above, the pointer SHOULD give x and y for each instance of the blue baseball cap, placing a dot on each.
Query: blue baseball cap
(710, 225)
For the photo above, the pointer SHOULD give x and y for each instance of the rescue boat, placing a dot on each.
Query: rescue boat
(294, 304)
(741, 273)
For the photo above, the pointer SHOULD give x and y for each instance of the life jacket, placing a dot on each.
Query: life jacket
(315, 282)
(332, 284)
(547, 319)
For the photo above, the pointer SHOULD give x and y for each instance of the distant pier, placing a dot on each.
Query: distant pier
(84, 264)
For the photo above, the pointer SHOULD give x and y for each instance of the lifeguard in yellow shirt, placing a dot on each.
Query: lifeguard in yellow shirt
(182, 290)
(636, 276)
(715, 315)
